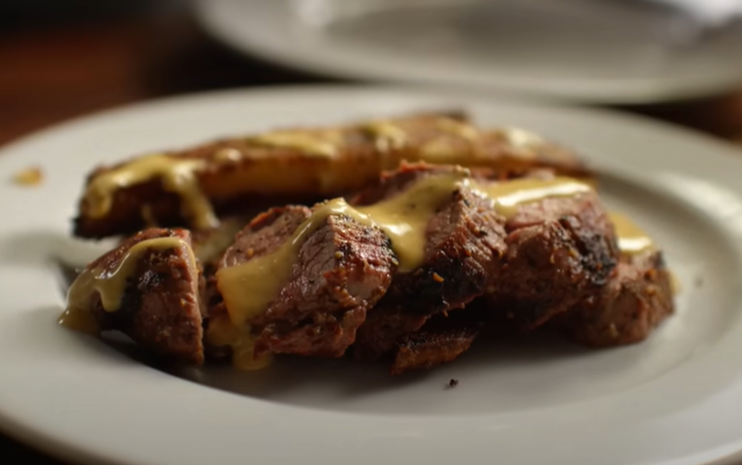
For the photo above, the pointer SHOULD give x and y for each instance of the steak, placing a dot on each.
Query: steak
(633, 302)
(384, 328)
(442, 339)
(559, 250)
(160, 307)
(316, 281)
(536, 264)
(464, 240)
(341, 270)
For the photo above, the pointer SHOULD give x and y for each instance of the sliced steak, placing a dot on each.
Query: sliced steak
(629, 307)
(160, 307)
(559, 251)
(384, 328)
(442, 339)
(341, 270)
(464, 240)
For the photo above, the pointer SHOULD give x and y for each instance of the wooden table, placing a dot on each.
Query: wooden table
(53, 74)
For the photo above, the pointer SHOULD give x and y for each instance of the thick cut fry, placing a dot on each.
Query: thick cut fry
(191, 187)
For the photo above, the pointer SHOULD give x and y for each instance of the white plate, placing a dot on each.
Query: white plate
(580, 50)
(674, 399)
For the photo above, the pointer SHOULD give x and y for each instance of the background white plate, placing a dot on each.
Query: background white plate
(672, 400)
(582, 50)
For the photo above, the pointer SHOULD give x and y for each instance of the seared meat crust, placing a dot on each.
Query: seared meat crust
(559, 251)
(441, 340)
(631, 305)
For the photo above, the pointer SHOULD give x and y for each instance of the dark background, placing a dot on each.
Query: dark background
(64, 58)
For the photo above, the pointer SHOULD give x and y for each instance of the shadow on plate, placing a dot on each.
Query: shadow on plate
(293, 379)
(495, 375)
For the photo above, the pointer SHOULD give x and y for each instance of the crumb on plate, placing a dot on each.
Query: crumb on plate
(29, 177)
(453, 383)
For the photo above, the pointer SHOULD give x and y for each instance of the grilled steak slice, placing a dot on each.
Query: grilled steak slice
(384, 327)
(559, 251)
(340, 271)
(154, 287)
(463, 242)
(630, 306)
(441, 340)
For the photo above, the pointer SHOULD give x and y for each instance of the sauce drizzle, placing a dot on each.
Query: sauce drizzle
(508, 196)
(178, 175)
(320, 143)
(111, 284)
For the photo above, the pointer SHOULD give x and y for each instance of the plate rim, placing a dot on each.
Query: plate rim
(636, 91)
